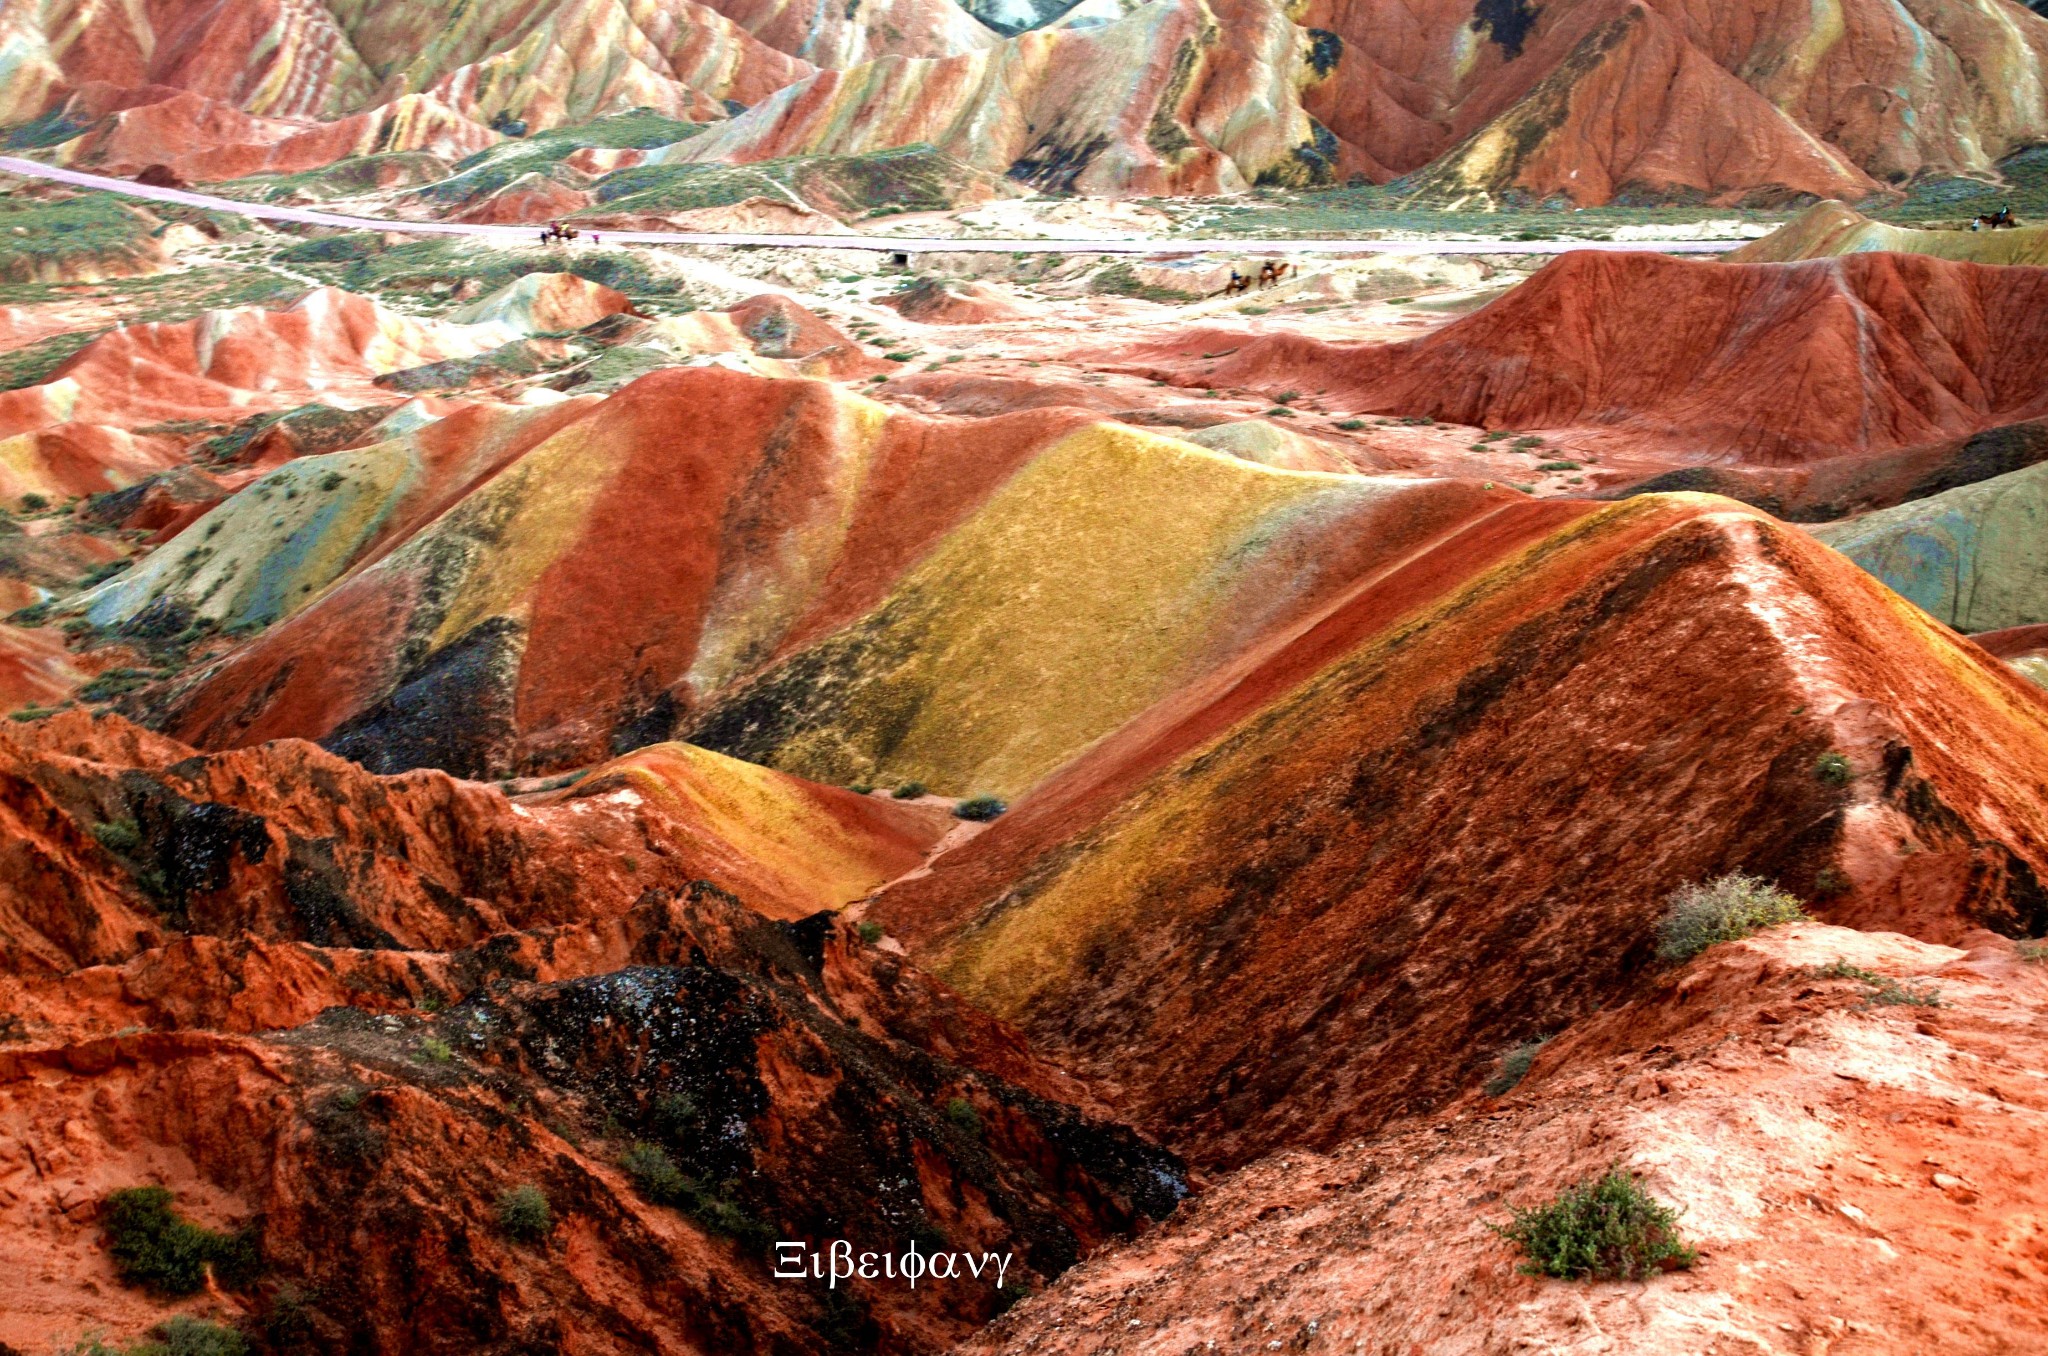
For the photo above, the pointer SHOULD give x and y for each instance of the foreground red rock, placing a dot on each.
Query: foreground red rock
(355, 1010)
(1859, 1178)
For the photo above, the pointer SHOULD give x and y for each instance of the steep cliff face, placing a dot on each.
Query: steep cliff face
(351, 1013)
(1320, 909)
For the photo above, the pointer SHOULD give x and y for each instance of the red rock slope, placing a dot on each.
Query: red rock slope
(1690, 361)
(1464, 824)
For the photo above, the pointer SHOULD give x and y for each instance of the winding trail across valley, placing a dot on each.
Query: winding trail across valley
(889, 243)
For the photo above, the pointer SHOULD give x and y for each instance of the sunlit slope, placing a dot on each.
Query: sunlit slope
(787, 846)
(1115, 568)
(1832, 228)
(587, 597)
(780, 570)
(1468, 823)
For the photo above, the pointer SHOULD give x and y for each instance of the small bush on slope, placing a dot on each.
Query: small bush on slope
(1514, 1066)
(1606, 1228)
(184, 1335)
(179, 1335)
(979, 809)
(1720, 910)
(657, 1178)
(524, 1215)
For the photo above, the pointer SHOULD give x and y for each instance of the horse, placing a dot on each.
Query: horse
(2001, 220)
(1238, 283)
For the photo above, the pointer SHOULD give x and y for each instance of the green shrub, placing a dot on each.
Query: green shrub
(1720, 910)
(656, 1176)
(870, 932)
(659, 1181)
(980, 809)
(899, 357)
(676, 1113)
(156, 1247)
(1514, 1067)
(1833, 769)
(1606, 1227)
(1557, 466)
(524, 1215)
(2034, 952)
(118, 835)
(964, 1117)
(34, 503)
(1883, 990)
(1287, 397)
(436, 1051)
(1351, 425)
(909, 791)
(184, 1335)
(860, 788)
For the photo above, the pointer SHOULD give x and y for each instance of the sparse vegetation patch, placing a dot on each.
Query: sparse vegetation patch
(1721, 910)
(1883, 991)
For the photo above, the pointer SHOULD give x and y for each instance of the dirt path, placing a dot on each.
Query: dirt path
(890, 243)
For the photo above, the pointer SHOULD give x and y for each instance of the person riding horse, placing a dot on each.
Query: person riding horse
(2001, 220)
